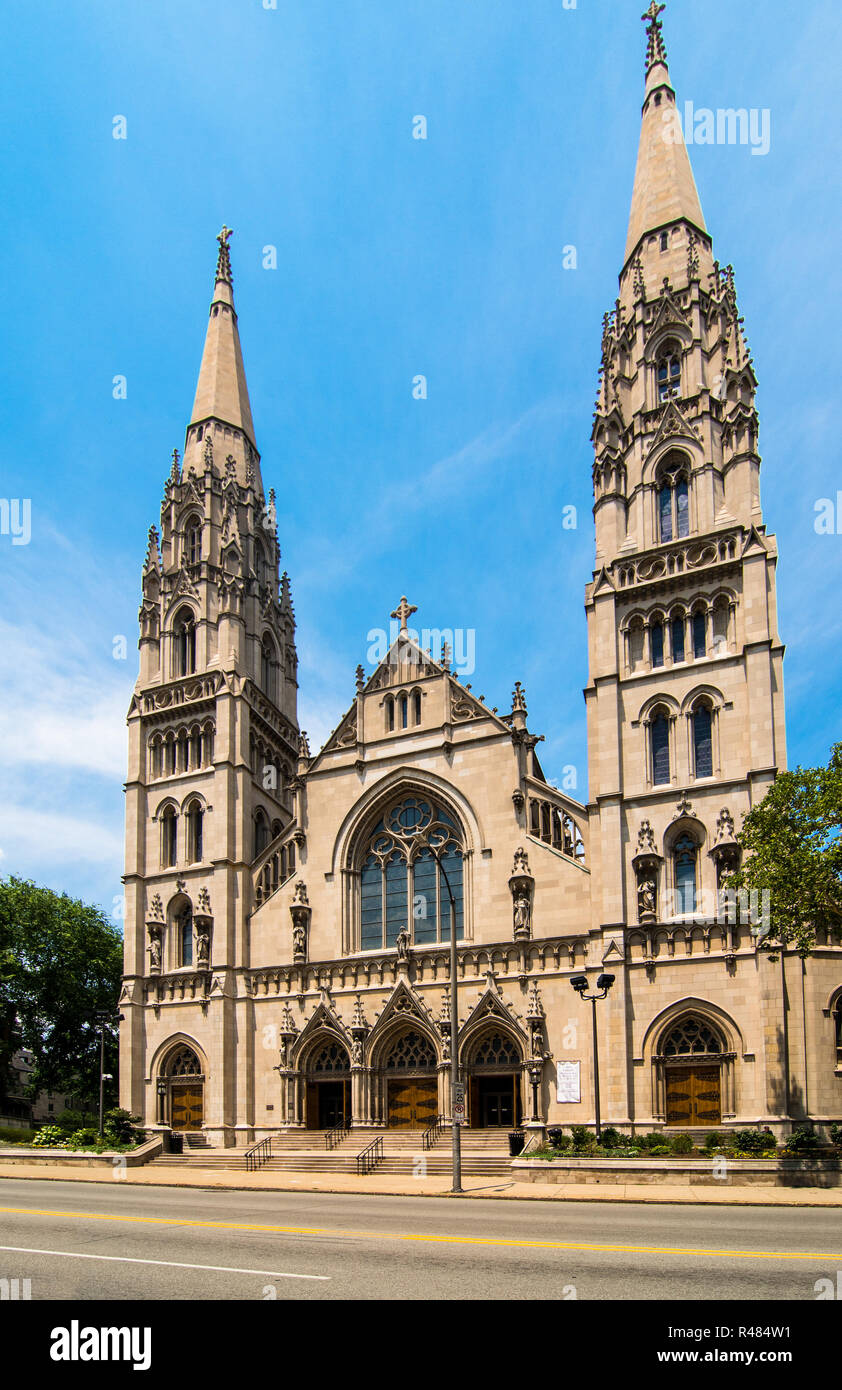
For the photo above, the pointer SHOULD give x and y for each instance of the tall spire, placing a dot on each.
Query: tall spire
(664, 187)
(221, 393)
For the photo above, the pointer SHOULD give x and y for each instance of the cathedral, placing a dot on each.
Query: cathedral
(289, 914)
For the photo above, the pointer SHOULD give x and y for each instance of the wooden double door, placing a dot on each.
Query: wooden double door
(694, 1096)
(187, 1105)
(413, 1103)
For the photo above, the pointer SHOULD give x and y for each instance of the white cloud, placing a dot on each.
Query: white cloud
(29, 835)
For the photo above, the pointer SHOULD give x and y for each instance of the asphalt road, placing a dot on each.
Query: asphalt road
(103, 1240)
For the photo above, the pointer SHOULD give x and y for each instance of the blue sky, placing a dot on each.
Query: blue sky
(396, 257)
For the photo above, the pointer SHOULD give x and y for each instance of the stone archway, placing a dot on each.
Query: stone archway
(408, 1080)
(494, 1070)
(327, 1077)
(181, 1090)
(692, 1058)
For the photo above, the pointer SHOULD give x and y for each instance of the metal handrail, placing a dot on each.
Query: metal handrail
(368, 1160)
(336, 1135)
(258, 1155)
(431, 1134)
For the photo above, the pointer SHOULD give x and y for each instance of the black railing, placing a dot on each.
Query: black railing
(431, 1135)
(258, 1155)
(368, 1160)
(336, 1135)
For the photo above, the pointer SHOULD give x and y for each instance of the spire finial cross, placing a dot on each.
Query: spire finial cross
(223, 263)
(404, 611)
(655, 49)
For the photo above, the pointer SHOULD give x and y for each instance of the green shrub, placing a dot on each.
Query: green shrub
(122, 1127)
(660, 1150)
(753, 1141)
(802, 1140)
(562, 1142)
(49, 1137)
(611, 1138)
(836, 1135)
(647, 1142)
(83, 1139)
(682, 1144)
(712, 1141)
(582, 1137)
(9, 1134)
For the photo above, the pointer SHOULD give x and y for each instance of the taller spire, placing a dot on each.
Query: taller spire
(221, 392)
(664, 188)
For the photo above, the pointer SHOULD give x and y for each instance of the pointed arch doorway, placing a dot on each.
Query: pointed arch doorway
(328, 1086)
(495, 1067)
(411, 1081)
(692, 1061)
(184, 1089)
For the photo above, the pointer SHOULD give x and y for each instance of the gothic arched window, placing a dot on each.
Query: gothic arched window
(700, 635)
(184, 629)
(660, 737)
(183, 1062)
(656, 638)
(169, 837)
(411, 1052)
(193, 541)
(268, 668)
(496, 1050)
(677, 639)
(416, 706)
(702, 740)
(674, 498)
(195, 817)
(691, 1037)
(669, 373)
(261, 832)
(390, 713)
(403, 885)
(184, 936)
(685, 855)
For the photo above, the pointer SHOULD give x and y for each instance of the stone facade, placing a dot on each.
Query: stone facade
(288, 915)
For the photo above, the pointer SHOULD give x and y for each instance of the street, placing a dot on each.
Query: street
(102, 1240)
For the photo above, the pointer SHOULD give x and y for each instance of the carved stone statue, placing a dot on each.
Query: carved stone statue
(299, 942)
(522, 913)
(646, 898)
(402, 944)
(202, 948)
(154, 949)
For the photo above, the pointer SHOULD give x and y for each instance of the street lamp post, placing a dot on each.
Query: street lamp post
(456, 1133)
(103, 1019)
(603, 984)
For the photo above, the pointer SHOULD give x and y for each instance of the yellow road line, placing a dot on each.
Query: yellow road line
(432, 1239)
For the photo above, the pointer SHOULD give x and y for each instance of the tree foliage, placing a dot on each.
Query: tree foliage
(61, 963)
(792, 847)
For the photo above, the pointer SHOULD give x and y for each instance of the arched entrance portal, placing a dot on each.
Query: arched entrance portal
(328, 1086)
(495, 1067)
(692, 1061)
(411, 1084)
(183, 1090)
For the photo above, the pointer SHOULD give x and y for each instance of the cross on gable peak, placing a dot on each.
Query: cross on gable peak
(403, 612)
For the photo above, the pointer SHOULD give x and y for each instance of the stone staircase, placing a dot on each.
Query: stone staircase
(485, 1153)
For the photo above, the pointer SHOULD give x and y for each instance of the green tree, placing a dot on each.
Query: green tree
(792, 847)
(61, 962)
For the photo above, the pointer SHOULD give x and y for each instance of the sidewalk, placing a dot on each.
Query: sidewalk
(755, 1196)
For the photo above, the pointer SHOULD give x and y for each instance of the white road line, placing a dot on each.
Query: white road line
(171, 1264)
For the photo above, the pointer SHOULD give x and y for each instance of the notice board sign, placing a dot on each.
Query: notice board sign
(568, 1081)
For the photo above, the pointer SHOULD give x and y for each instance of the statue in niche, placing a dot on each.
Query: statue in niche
(646, 899)
(402, 944)
(154, 949)
(522, 915)
(202, 949)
